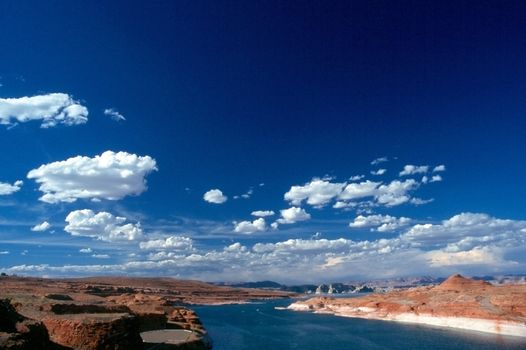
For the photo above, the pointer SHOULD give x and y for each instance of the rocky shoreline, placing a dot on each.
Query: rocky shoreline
(456, 303)
(109, 313)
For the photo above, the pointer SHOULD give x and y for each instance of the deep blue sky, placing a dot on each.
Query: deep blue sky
(229, 95)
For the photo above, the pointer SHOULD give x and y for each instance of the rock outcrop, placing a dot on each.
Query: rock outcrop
(458, 302)
(459, 283)
(20, 333)
(107, 313)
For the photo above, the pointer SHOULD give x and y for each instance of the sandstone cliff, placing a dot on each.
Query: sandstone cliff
(458, 302)
(107, 313)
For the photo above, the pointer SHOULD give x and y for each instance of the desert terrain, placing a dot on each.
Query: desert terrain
(108, 312)
(458, 302)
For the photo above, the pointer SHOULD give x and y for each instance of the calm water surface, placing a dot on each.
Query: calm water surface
(259, 326)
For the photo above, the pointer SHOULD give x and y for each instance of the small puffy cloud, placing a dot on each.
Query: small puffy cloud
(438, 168)
(262, 213)
(359, 190)
(378, 172)
(4, 252)
(7, 189)
(245, 195)
(235, 248)
(85, 250)
(41, 227)
(103, 226)
(436, 178)
(318, 192)
(168, 243)
(379, 160)
(293, 215)
(396, 192)
(381, 223)
(109, 176)
(414, 169)
(114, 114)
(344, 205)
(250, 226)
(51, 110)
(215, 196)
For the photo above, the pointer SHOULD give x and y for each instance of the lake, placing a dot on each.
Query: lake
(258, 326)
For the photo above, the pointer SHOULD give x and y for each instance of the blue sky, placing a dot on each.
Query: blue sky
(285, 104)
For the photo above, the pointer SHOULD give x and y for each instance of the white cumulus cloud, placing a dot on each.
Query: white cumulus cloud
(396, 192)
(436, 178)
(41, 227)
(465, 232)
(318, 192)
(7, 189)
(381, 223)
(250, 226)
(414, 169)
(359, 190)
(302, 245)
(170, 242)
(51, 109)
(109, 176)
(235, 248)
(438, 168)
(262, 213)
(215, 196)
(103, 226)
(293, 215)
(344, 205)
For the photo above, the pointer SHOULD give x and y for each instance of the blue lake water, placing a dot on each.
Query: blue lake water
(259, 326)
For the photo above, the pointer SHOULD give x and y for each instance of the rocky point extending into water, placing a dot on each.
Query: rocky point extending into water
(109, 312)
(458, 302)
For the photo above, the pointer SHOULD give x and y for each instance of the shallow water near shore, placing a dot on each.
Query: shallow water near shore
(259, 326)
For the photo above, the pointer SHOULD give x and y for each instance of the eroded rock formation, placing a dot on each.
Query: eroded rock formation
(18, 332)
(106, 313)
(458, 302)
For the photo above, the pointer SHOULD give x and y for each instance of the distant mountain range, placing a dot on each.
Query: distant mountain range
(365, 286)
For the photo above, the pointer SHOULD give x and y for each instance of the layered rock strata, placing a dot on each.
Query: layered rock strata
(107, 313)
(458, 302)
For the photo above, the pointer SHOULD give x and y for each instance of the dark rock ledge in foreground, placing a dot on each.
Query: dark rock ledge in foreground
(109, 313)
